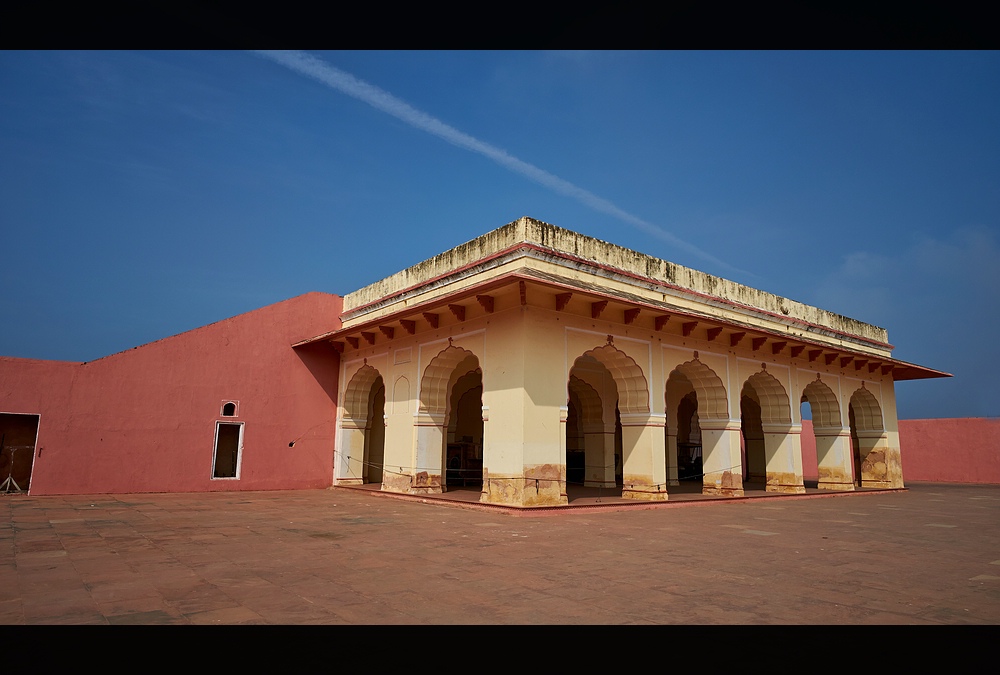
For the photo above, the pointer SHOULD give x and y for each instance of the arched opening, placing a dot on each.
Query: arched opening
(826, 453)
(451, 440)
(623, 444)
(772, 458)
(593, 424)
(375, 434)
(689, 450)
(465, 432)
(855, 446)
(810, 463)
(585, 418)
(698, 449)
(752, 436)
(362, 440)
(867, 430)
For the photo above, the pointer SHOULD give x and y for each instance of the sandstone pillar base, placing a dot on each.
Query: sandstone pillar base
(424, 483)
(521, 491)
(645, 493)
(785, 483)
(833, 485)
(726, 484)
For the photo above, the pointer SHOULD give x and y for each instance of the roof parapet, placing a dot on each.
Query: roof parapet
(642, 268)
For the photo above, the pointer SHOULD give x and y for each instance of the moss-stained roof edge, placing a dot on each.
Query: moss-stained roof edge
(639, 266)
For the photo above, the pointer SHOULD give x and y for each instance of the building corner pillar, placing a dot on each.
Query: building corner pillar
(880, 462)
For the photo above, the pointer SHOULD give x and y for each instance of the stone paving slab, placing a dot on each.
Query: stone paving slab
(926, 555)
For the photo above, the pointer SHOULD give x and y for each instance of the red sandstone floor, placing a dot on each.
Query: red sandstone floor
(926, 555)
(595, 499)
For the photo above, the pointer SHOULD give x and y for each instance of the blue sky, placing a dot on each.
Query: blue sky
(143, 194)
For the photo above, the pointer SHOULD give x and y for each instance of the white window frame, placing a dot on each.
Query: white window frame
(239, 450)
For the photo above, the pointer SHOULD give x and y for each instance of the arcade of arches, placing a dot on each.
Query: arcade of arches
(534, 359)
(609, 438)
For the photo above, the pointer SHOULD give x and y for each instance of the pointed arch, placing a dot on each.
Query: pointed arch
(633, 389)
(439, 376)
(867, 411)
(595, 395)
(356, 397)
(764, 388)
(361, 445)
(824, 405)
(838, 463)
(713, 402)
(463, 386)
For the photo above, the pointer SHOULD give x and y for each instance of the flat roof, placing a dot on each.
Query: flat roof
(560, 261)
(599, 254)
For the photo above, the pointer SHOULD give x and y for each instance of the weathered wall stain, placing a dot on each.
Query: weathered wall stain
(785, 483)
(541, 485)
(833, 478)
(609, 256)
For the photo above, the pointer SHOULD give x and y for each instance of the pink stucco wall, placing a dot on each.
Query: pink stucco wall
(144, 420)
(962, 450)
(956, 450)
(810, 470)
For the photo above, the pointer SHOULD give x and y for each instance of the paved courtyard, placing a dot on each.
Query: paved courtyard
(927, 555)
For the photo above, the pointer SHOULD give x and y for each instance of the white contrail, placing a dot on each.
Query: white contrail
(386, 102)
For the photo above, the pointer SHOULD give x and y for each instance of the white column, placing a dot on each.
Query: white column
(428, 453)
(599, 451)
(833, 458)
(644, 457)
(722, 464)
(351, 453)
(783, 451)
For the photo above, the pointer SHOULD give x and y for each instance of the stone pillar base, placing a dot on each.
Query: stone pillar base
(396, 482)
(882, 484)
(785, 483)
(726, 483)
(424, 483)
(833, 485)
(786, 489)
(723, 491)
(349, 481)
(650, 494)
(644, 488)
(880, 467)
(520, 491)
(428, 490)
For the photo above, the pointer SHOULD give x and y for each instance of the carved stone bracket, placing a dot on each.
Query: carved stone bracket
(486, 302)
(562, 299)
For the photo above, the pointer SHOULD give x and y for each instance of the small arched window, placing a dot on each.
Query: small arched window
(229, 409)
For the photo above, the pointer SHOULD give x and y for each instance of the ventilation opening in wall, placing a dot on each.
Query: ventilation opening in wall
(229, 409)
(228, 444)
